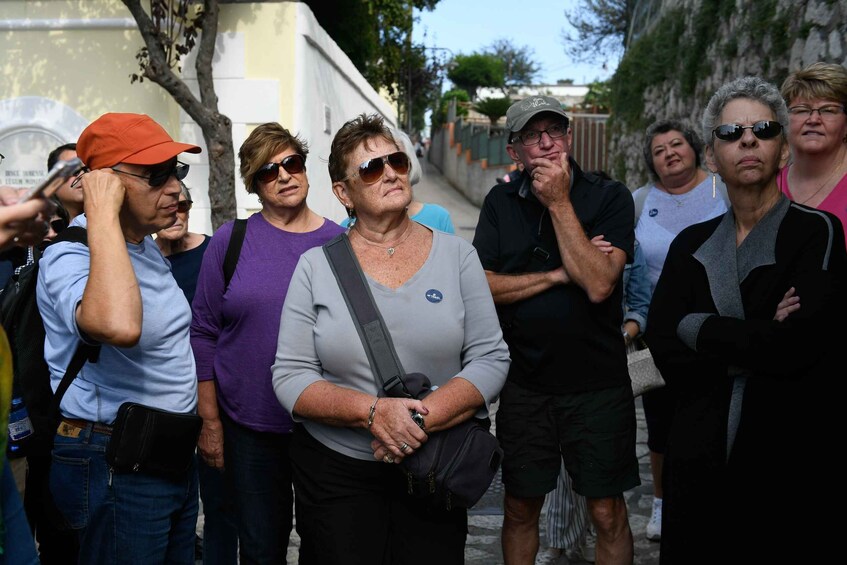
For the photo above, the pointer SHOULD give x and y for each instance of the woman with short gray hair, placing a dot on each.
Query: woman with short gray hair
(738, 328)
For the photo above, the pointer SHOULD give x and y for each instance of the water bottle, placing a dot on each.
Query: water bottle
(20, 426)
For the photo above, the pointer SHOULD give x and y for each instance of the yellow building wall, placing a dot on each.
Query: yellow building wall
(269, 32)
(86, 69)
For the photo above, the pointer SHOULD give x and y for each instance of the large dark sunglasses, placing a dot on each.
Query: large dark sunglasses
(763, 130)
(293, 164)
(183, 206)
(372, 170)
(160, 174)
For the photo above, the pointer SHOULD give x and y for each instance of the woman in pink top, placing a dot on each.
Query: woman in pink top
(817, 133)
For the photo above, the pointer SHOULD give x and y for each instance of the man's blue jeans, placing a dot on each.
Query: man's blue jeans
(125, 518)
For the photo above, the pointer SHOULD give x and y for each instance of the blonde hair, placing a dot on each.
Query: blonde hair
(826, 81)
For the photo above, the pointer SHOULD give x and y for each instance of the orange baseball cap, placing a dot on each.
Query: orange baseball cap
(127, 138)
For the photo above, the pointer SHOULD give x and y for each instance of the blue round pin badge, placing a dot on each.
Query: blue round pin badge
(653, 212)
(434, 296)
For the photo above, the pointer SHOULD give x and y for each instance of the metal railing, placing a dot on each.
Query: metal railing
(486, 142)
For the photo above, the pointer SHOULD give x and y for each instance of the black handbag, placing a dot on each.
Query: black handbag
(152, 441)
(454, 467)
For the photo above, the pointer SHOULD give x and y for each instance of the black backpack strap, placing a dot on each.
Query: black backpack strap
(369, 323)
(84, 352)
(74, 234)
(233, 250)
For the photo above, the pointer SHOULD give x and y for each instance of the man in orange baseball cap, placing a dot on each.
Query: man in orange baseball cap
(117, 292)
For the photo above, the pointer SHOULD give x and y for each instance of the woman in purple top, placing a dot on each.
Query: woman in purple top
(234, 337)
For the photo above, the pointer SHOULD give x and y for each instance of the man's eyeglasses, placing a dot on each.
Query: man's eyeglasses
(373, 169)
(533, 137)
(764, 129)
(828, 111)
(160, 174)
(293, 164)
(183, 206)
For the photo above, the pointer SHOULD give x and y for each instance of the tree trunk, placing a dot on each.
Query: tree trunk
(216, 127)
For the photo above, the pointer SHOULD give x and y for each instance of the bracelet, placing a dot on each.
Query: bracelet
(372, 412)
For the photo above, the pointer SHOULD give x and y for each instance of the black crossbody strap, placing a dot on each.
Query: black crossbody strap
(388, 372)
(84, 352)
(233, 250)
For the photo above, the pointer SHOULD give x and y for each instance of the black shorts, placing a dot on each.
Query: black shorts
(593, 432)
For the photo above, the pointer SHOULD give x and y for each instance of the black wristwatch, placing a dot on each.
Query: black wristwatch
(418, 419)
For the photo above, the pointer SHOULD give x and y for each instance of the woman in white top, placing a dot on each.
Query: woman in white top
(680, 194)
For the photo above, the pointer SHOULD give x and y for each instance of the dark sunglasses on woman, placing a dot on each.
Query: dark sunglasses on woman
(293, 164)
(183, 206)
(764, 129)
(372, 170)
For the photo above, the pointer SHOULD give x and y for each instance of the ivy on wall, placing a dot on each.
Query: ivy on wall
(685, 47)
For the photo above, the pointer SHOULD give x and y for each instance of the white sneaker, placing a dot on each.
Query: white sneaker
(654, 526)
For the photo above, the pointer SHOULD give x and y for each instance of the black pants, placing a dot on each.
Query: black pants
(358, 512)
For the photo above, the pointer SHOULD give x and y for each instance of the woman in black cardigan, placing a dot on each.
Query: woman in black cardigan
(740, 327)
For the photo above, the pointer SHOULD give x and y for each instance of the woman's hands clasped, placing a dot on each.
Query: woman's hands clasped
(396, 434)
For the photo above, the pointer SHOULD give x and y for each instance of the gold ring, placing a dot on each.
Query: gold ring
(388, 458)
(404, 447)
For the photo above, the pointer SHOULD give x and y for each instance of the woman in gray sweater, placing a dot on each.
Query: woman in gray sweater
(352, 501)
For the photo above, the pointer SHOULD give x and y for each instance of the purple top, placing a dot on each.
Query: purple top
(234, 331)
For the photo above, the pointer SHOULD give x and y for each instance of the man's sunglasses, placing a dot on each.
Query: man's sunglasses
(372, 170)
(160, 174)
(183, 206)
(293, 164)
(763, 130)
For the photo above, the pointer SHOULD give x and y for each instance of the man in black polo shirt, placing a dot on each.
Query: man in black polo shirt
(559, 299)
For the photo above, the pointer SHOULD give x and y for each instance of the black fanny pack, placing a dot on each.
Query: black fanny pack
(152, 441)
(454, 466)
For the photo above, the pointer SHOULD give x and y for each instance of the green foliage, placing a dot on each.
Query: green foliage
(377, 36)
(650, 60)
(439, 116)
(470, 72)
(494, 108)
(600, 28)
(519, 68)
(598, 99)
(705, 28)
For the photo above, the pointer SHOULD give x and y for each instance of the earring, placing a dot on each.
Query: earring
(714, 185)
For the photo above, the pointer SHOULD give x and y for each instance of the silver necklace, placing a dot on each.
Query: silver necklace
(388, 249)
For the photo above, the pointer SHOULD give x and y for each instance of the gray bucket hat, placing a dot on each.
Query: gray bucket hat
(522, 111)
